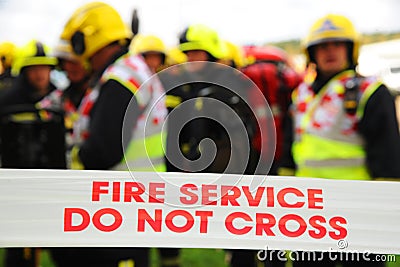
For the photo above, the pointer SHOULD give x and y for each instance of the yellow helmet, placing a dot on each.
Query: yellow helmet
(135, 39)
(201, 37)
(332, 27)
(94, 26)
(175, 56)
(31, 54)
(147, 43)
(234, 53)
(7, 53)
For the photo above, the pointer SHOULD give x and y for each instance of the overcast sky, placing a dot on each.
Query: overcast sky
(242, 22)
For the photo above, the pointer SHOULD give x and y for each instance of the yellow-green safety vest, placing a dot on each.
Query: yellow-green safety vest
(145, 150)
(326, 143)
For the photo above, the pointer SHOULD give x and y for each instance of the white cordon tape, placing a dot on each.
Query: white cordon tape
(64, 208)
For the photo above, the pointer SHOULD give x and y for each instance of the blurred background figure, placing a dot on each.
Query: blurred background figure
(193, 90)
(235, 57)
(152, 49)
(269, 67)
(7, 54)
(31, 67)
(154, 53)
(69, 99)
(30, 138)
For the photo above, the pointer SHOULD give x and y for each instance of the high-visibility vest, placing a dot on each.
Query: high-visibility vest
(326, 143)
(144, 151)
(57, 100)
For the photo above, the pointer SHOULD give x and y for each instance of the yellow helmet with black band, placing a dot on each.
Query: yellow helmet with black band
(31, 54)
(94, 26)
(332, 27)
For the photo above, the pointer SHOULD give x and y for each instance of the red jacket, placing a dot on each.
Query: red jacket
(276, 80)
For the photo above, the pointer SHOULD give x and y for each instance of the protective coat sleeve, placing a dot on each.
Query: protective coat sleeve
(104, 147)
(379, 127)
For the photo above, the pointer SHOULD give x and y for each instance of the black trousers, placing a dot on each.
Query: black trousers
(99, 257)
(21, 257)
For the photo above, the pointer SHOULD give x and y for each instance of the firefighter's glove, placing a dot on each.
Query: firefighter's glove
(286, 172)
(76, 163)
(386, 179)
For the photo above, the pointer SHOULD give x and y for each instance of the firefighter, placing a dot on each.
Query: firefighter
(7, 54)
(270, 69)
(201, 44)
(99, 36)
(343, 125)
(193, 91)
(153, 50)
(32, 67)
(30, 140)
(70, 98)
(234, 57)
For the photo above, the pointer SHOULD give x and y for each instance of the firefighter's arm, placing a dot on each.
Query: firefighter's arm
(380, 130)
(286, 164)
